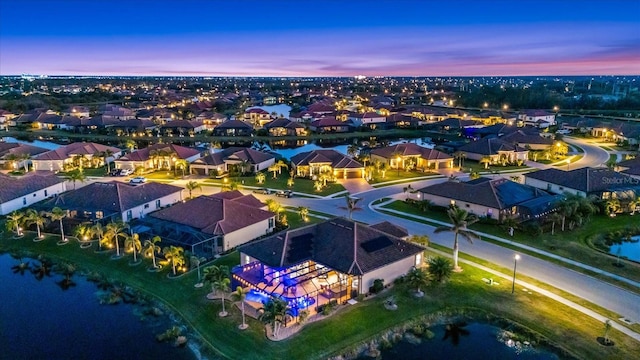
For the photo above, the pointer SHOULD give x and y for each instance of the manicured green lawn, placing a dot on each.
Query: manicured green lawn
(393, 175)
(300, 185)
(353, 324)
(474, 166)
(576, 244)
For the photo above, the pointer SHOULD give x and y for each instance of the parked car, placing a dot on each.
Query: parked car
(563, 132)
(115, 172)
(284, 193)
(262, 191)
(126, 172)
(138, 180)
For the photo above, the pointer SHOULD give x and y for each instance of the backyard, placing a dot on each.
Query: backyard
(466, 292)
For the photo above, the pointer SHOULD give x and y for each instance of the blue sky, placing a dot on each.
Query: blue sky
(320, 38)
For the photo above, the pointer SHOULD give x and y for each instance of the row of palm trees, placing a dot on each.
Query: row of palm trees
(17, 220)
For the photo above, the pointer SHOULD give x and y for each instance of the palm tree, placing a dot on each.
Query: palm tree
(214, 273)
(485, 161)
(383, 169)
(633, 205)
(260, 177)
(133, 243)
(192, 185)
(273, 313)
(417, 278)
(97, 230)
(58, 214)
(422, 240)
(240, 295)
(36, 218)
(115, 231)
(154, 157)
(279, 165)
(151, 248)
(554, 218)
(274, 207)
(222, 285)
(24, 159)
(304, 213)
(460, 220)
(196, 261)
(15, 220)
(364, 157)
(352, 150)
(175, 255)
(612, 207)
(83, 233)
(182, 165)
(351, 205)
(75, 175)
(439, 268)
(460, 155)
(106, 155)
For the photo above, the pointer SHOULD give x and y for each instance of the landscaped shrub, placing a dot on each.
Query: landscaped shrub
(378, 285)
(532, 229)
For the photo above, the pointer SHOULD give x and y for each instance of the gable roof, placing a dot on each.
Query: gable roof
(217, 214)
(234, 124)
(181, 152)
(7, 149)
(391, 229)
(341, 244)
(410, 149)
(114, 196)
(490, 146)
(79, 148)
(521, 137)
(14, 187)
(494, 193)
(336, 159)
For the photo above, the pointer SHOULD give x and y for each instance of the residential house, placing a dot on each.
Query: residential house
(117, 112)
(527, 140)
(157, 156)
(329, 124)
(133, 126)
(213, 224)
(335, 260)
(537, 118)
(115, 200)
(14, 155)
(314, 163)
(498, 199)
(257, 117)
(402, 155)
(222, 161)
(79, 111)
(233, 128)
(20, 192)
(303, 116)
(496, 150)
(75, 154)
(184, 127)
(401, 121)
(367, 119)
(599, 182)
(285, 127)
(210, 119)
(630, 167)
(321, 108)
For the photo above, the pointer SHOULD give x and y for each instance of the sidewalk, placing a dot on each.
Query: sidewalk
(634, 335)
(521, 246)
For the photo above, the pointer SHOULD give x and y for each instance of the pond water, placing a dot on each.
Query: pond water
(42, 144)
(470, 342)
(38, 320)
(280, 109)
(630, 250)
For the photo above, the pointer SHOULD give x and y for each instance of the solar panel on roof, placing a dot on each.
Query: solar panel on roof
(300, 248)
(376, 244)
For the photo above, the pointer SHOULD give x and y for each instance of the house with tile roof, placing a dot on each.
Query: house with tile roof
(68, 156)
(495, 149)
(630, 167)
(20, 192)
(599, 182)
(14, 155)
(212, 224)
(528, 140)
(402, 155)
(157, 156)
(329, 124)
(337, 259)
(222, 161)
(233, 128)
(285, 127)
(184, 127)
(537, 118)
(498, 199)
(257, 117)
(367, 119)
(115, 200)
(311, 164)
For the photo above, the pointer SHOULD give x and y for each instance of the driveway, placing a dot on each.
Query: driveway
(354, 186)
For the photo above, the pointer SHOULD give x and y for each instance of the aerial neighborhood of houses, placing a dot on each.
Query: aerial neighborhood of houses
(184, 170)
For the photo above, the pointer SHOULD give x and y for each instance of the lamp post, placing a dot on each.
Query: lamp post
(398, 165)
(515, 264)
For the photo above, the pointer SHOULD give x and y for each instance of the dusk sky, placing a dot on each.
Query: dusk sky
(320, 38)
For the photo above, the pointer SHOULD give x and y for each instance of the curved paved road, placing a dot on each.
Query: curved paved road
(594, 155)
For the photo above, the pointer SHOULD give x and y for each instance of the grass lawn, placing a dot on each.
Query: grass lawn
(575, 245)
(392, 175)
(299, 185)
(473, 166)
(101, 171)
(353, 324)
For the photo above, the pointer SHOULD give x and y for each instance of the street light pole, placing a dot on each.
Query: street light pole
(515, 264)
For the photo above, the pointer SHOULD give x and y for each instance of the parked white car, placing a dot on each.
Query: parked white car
(138, 180)
(126, 172)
